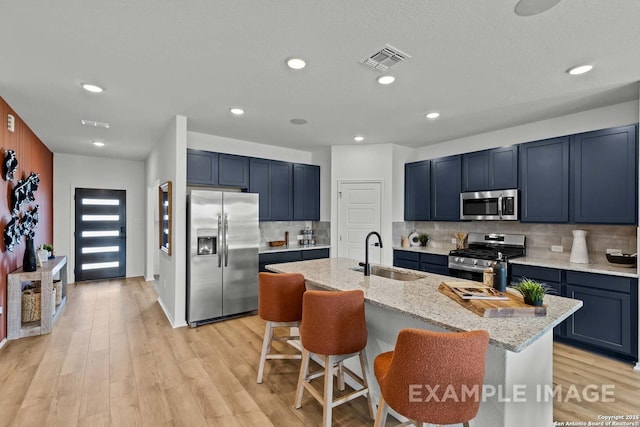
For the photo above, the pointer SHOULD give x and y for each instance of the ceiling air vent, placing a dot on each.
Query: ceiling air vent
(383, 59)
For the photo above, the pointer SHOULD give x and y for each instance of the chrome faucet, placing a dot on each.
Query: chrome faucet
(367, 267)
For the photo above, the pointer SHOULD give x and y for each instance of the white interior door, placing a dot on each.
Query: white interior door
(358, 214)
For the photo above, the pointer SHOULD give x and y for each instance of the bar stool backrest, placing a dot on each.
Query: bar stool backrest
(280, 296)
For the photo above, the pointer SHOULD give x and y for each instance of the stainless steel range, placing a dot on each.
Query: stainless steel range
(483, 252)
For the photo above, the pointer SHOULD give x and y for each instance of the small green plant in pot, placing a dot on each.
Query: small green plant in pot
(424, 239)
(532, 291)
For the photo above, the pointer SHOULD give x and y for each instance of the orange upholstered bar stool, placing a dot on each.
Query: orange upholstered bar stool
(280, 305)
(333, 327)
(427, 375)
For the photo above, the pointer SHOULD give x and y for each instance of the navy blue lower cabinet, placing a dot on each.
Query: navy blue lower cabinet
(446, 183)
(278, 258)
(608, 319)
(406, 259)
(308, 254)
(433, 263)
(544, 181)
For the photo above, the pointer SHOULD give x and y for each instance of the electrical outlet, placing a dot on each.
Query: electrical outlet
(557, 248)
(453, 240)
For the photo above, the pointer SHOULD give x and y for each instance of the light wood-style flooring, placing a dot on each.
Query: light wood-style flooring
(112, 359)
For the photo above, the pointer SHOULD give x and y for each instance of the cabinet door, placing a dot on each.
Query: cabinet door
(417, 191)
(406, 259)
(202, 167)
(259, 182)
(233, 170)
(445, 188)
(604, 176)
(544, 181)
(604, 320)
(503, 168)
(306, 192)
(314, 253)
(475, 171)
(281, 190)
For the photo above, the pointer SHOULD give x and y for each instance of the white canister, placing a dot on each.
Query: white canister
(579, 253)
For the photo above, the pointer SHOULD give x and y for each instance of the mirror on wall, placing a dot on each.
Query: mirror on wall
(165, 217)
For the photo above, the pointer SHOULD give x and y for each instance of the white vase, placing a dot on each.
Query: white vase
(579, 253)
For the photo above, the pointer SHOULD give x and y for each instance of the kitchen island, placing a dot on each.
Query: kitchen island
(520, 356)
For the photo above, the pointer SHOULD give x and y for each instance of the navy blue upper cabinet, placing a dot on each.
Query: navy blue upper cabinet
(306, 192)
(233, 170)
(259, 182)
(446, 177)
(544, 181)
(202, 167)
(604, 174)
(281, 185)
(417, 191)
(273, 181)
(495, 169)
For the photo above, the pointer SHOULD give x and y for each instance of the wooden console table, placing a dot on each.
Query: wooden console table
(16, 281)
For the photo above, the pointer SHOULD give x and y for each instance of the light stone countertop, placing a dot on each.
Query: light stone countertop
(420, 299)
(561, 261)
(270, 250)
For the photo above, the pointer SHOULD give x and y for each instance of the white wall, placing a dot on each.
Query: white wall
(220, 144)
(600, 118)
(71, 172)
(168, 162)
(364, 162)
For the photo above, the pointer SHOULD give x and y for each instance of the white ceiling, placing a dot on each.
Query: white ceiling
(477, 62)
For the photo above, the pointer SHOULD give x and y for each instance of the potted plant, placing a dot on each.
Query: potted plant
(532, 291)
(47, 247)
(424, 239)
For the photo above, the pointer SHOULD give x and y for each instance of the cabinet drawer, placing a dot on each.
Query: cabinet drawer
(406, 255)
(600, 281)
(434, 259)
(403, 263)
(278, 257)
(434, 268)
(537, 273)
(315, 253)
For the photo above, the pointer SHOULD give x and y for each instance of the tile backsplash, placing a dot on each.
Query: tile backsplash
(274, 230)
(540, 237)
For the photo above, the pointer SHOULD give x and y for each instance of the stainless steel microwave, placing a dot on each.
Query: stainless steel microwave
(489, 205)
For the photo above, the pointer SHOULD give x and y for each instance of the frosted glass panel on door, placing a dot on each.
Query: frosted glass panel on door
(102, 202)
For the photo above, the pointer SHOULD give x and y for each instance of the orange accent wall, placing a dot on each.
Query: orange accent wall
(33, 156)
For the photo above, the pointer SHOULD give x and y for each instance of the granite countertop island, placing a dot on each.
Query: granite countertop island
(520, 353)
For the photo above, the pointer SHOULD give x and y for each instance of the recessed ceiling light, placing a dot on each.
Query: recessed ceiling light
(358, 138)
(95, 124)
(298, 121)
(236, 111)
(386, 80)
(98, 143)
(580, 69)
(91, 87)
(433, 115)
(296, 63)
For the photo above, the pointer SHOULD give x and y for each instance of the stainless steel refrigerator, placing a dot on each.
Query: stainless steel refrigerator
(222, 260)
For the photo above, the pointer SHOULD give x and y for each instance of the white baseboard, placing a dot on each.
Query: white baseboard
(3, 342)
(636, 368)
(149, 278)
(172, 322)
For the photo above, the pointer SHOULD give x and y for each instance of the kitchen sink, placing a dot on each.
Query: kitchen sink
(389, 274)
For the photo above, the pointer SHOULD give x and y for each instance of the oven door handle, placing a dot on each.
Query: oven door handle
(500, 207)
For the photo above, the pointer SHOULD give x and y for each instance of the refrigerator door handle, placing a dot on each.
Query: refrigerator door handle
(219, 242)
(226, 241)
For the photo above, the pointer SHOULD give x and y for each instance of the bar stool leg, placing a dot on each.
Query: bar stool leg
(381, 415)
(304, 371)
(364, 367)
(266, 348)
(327, 408)
(340, 375)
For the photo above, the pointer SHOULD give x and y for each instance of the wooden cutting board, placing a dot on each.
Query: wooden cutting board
(513, 307)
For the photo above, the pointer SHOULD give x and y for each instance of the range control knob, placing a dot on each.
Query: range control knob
(475, 262)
